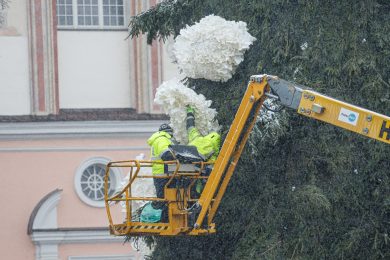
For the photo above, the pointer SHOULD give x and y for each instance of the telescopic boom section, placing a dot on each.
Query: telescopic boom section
(306, 102)
(344, 115)
(335, 112)
(232, 148)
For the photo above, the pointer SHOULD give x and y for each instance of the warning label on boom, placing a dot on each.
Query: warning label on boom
(385, 129)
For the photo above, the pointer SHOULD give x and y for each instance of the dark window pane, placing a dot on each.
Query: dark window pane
(69, 10)
(60, 2)
(94, 2)
(120, 2)
(112, 2)
(95, 10)
(80, 2)
(88, 10)
(80, 10)
(95, 20)
(88, 20)
(106, 20)
(120, 10)
(113, 20)
(105, 10)
(69, 20)
(61, 20)
(121, 20)
(69, 2)
(81, 20)
(87, 2)
(61, 10)
(113, 10)
(105, 2)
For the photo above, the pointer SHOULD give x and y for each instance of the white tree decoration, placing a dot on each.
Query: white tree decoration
(173, 96)
(212, 49)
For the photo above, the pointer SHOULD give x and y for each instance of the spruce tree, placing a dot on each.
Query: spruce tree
(316, 191)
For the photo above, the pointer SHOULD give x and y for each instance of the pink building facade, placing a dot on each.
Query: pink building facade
(74, 95)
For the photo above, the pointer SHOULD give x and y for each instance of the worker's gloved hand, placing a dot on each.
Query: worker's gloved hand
(190, 109)
(190, 120)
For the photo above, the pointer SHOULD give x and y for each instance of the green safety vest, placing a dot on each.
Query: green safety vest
(208, 146)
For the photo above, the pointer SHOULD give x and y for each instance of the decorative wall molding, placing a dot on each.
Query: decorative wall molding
(44, 214)
(74, 236)
(73, 129)
(43, 57)
(145, 65)
(106, 257)
(46, 236)
(74, 149)
(47, 241)
(89, 114)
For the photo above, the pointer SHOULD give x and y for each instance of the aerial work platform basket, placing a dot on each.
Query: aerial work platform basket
(189, 213)
(180, 198)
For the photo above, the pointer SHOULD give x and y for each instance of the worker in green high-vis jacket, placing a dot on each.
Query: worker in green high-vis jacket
(208, 146)
(159, 143)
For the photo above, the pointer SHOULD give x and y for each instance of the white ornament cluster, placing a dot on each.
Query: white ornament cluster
(173, 97)
(212, 48)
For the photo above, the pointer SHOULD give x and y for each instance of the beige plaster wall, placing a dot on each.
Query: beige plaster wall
(27, 176)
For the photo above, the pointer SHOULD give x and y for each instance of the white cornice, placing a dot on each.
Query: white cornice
(73, 149)
(74, 129)
(73, 236)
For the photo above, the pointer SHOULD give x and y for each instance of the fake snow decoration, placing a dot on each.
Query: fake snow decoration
(212, 49)
(173, 96)
(304, 46)
(296, 71)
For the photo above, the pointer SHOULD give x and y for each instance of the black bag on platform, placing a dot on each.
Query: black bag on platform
(186, 153)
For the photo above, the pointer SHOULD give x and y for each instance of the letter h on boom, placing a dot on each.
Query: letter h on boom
(384, 129)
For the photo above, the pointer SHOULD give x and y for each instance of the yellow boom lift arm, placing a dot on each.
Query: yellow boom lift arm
(306, 102)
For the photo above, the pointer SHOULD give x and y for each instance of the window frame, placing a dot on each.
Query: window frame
(101, 15)
(115, 173)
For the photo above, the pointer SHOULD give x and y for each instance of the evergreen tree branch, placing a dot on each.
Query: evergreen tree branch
(166, 18)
